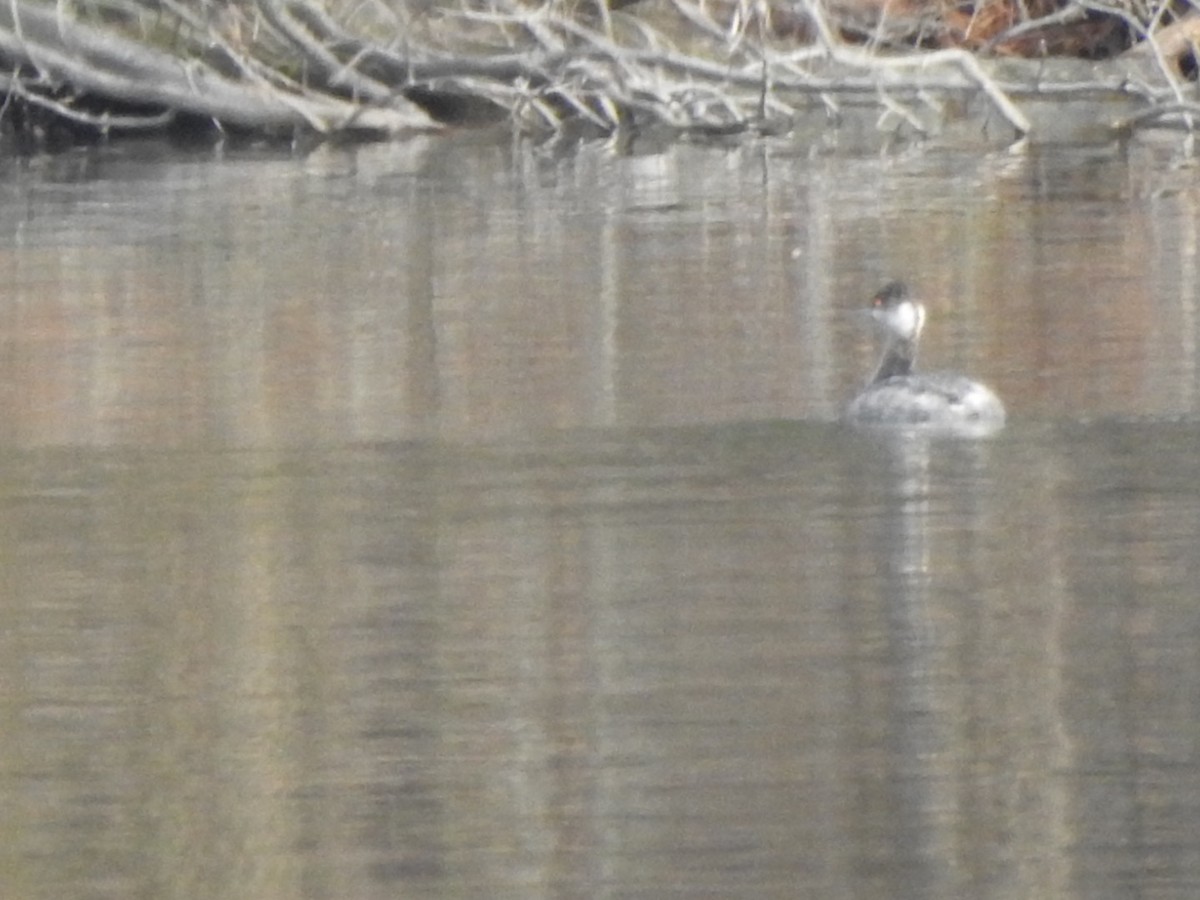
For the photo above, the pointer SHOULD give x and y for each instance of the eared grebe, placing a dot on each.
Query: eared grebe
(897, 396)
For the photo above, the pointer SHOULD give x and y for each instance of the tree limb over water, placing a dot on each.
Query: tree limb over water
(388, 67)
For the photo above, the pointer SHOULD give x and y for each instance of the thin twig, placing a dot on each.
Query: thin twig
(1068, 15)
(1189, 112)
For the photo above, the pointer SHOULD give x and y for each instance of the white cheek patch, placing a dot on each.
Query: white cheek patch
(908, 320)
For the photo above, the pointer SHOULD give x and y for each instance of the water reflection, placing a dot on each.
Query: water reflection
(462, 521)
(479, 291)
(718, 659)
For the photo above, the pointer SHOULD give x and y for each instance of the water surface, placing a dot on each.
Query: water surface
(463, 518)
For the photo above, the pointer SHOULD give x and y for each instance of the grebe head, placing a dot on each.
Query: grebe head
(894, 309)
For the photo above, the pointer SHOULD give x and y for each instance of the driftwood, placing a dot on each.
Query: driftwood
(48, 53)
(716, 66)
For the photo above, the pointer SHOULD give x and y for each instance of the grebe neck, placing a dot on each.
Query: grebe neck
(898, 358)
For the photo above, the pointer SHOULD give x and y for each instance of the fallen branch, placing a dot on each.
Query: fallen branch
(281, 65)
(105, 64)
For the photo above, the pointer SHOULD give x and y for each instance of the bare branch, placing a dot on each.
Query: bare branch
(378, 65)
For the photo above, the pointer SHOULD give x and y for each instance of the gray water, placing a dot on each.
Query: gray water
(465, 518)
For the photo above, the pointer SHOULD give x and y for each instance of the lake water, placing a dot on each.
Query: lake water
(467, 518)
